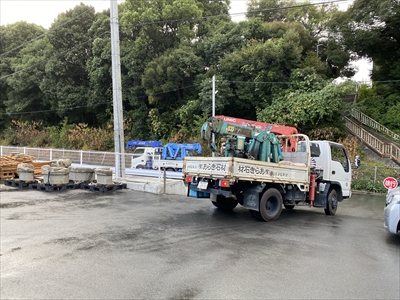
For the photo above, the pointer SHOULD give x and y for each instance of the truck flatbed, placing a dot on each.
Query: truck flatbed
(239, 169)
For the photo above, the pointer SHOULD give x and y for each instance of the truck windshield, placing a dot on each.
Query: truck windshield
(139, 151)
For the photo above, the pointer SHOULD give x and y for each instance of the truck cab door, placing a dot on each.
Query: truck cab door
(340, 170)
(140, 157)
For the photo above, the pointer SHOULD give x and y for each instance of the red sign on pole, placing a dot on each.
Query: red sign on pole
(390, 183)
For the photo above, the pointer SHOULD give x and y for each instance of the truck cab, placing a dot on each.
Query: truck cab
(335, 166)
(142, 157)
(143, 152)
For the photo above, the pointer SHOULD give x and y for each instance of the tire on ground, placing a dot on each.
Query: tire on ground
(288, 206)
(256, 214)
(271, 205)
(332, 203)
(225, 203)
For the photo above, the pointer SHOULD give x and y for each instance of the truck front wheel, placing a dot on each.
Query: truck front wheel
(288, 206)
(271, 205)
(225, 203)
(332, 203)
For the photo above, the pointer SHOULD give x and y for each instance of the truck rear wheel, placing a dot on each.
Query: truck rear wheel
(271, 205)
(332, 203)
(225, 203)
(256, 214)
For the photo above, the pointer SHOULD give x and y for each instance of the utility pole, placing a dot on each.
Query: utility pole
(117, 93)
(213, 108)
(213, 96)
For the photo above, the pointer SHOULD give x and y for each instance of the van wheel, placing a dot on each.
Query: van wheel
(332, 203)
(271, 205)
(225, 203)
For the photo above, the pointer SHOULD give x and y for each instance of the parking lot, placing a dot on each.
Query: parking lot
(126, 244)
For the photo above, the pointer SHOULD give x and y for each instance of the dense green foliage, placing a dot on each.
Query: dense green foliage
(277, 66)
(370, 29)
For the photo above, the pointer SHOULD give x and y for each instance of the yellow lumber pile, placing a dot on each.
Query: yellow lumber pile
(9, 163)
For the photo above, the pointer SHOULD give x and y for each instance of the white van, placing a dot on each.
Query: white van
(392, 211)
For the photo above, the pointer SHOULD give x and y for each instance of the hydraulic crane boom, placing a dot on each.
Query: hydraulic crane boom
(243, 141)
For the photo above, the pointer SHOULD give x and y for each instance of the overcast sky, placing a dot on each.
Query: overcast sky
(44, 12)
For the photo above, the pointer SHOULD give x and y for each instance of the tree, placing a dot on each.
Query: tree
(226, 37)
(66, 83)
(256, 70)
(99, 69)
(269, 10)
(370, 30)
(17, 59)
(25, 96)
(168, 81)
(311, 104)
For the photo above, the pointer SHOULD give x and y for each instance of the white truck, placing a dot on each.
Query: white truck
(254, 170)
(152, 155)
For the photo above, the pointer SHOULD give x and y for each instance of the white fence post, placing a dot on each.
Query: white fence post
(51, 154)
(81, 157)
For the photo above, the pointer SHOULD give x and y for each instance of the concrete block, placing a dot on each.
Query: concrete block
(25, 171)
(25, 176)
(81, 174)
(103, 176)
(55, 175)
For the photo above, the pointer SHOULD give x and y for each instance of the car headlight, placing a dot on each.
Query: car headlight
(393, 199)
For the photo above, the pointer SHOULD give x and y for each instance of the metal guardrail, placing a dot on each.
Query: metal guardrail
(97, 158)
(87, 159)
(368, 121)
(389, 150)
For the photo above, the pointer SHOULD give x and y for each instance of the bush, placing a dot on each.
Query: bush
(26, 134)
(370, 175)
(368, 185)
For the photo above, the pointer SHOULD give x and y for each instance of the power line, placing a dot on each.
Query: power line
(173, 21)
(57, 55)
(93, 105)
(160, 93)
(47, 32)
(233, 14)
(164, 21)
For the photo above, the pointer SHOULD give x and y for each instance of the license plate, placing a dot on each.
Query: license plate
(202, 185)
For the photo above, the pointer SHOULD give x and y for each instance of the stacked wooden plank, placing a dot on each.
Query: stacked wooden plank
(9, 163)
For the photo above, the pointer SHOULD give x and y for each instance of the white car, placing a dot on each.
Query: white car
(392, 211)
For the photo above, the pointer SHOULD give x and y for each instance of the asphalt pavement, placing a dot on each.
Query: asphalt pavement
(127, 244)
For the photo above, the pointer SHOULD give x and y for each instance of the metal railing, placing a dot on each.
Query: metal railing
(389, 150)
(368, 121)
(90, 158)
(97, 158)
